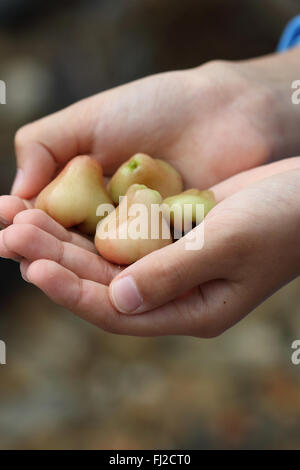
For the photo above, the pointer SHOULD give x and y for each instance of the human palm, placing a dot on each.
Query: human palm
(192, 119)
(214, 288)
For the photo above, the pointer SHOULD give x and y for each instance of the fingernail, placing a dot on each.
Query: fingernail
(125, 295)
(23, 270)
(25, 278)
(18, 183)
(3, 223)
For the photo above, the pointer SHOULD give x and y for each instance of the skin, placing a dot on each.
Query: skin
(73, 196)
(142, 169)
(241, 230)
(252, 234)
(118, 246)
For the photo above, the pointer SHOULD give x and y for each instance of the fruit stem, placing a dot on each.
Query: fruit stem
(133, 164)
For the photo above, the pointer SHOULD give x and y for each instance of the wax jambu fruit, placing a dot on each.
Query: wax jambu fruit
(134, 229)
(143, 169)
(183, 208)
(73, 196)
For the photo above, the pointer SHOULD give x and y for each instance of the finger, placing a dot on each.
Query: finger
(24, 265)
(237, 182)
(44, 146)
(94, 126)
(164, 274)
(32, 243)
(189, 315)
(45, 222)
(47, 144)
(87, 299)
(9, 207)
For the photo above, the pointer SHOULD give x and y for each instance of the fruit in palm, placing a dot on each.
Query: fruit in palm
(184, 209)
(143, 169)
(135, 228)
(73, 196)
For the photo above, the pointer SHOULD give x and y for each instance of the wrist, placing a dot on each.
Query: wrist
(274, 76)
(242, 91)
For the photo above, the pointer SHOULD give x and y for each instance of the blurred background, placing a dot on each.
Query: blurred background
(66, 384)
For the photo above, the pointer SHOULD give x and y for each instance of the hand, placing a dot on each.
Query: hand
(209, 122)
(251, 249)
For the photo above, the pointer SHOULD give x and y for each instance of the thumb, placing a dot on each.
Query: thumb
(47, 144)
(165, 274)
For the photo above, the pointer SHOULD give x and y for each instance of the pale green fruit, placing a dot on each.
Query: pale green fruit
(143, 169)
(73, 196)
(175, 208)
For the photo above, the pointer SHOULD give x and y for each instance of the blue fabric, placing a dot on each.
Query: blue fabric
(290, 36)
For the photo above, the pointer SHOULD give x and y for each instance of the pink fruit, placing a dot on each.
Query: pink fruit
(131, 231)
(73, 196)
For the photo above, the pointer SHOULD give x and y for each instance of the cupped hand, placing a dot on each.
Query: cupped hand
(209, 122)
(251, 249)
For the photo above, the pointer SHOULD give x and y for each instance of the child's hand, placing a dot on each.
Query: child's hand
(251, 249)
(210, 123)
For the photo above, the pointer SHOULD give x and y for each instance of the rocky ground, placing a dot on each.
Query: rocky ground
(68, 385)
